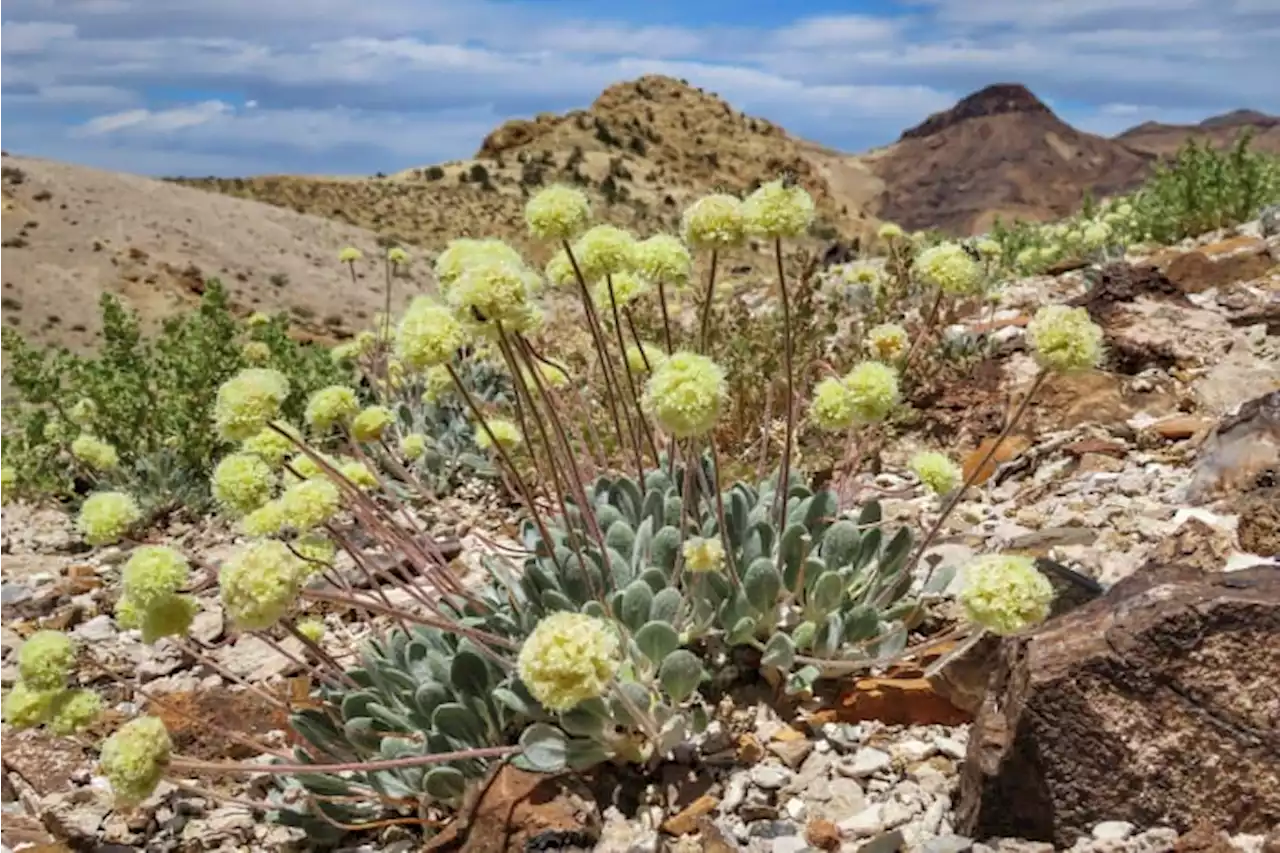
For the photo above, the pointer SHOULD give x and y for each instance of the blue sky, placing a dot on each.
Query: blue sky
(236, 87)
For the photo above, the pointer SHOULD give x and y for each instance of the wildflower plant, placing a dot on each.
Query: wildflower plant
(641, 567)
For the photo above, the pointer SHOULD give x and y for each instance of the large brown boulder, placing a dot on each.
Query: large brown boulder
(1158, 704)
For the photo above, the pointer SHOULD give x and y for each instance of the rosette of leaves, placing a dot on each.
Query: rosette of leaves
(825, 593)
(415, 693)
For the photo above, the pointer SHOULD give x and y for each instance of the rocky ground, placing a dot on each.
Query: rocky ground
(1169, 457)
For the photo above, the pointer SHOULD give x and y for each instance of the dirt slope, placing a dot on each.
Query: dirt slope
(642, 151)
(71, 233)
(1220, 131)
(999, 151)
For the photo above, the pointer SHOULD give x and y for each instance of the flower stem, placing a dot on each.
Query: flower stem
(195, 765)
(704, 333)
(641, 424)
(784, 468)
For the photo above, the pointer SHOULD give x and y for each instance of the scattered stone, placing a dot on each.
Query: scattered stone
(887, 842)
(823, 834)
(1113, 830)
(686, 821)
(1219, 264)
(950, 747)
(901, 701)
(792, 752)
(843, 798)
(1095, 699)
(770, 777)
(99, 629)
(1243, 447)
(867, 762)
(947, 844)
(867, 822)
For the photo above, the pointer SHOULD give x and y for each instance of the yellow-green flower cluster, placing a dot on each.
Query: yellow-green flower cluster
(558, 212)
(437, 384)
(312, 629)
(95, 453)
(559, 270)
(242, 482)
(949, 267)
(314, 552)
(627, 288)
(332, 405)
(1065, 339)
(873, 391)
(397, 256)
(463, 253)
(989, 249)
(74, 711)
(106, 516)
(664, 258)
(350, 255)
(887, 342)
(936, 470)
(429, 335)
(8, 479)
(45, 660)
(358, 473)
(889, 232)
(266, 520)
(310, 504)
(1005, 594)
(258, 319)
(832, 405)
(256, 352)
(25, 708)
(413, 446)
(269, 445)
(685, 394)
(491, 293)
(83, 413)
(713, 222)
(703, 555)
(605, 250)
(151, 601)
(569, 658)
(778, 210)
(504, 431)
(260, 584)
(248, 400)
(644, 357)
(371, 423)
(134, 758)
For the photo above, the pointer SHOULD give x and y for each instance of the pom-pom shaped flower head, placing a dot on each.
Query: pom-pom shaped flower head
(641, 358)
(397, 257)
(1005, 594)
(437, 384)
(429, 335)
(949, 267)
(75, 711)
(45, 660)
(413, 446)
(350, 255)
(685, 394)
(248, 400)
(988, 249)
(258, 319)
(713, 222)
(569, 658)
(83, 413)
(256, 352)
(26, 707)
(106, 516)
(778, 210)
(605, 251)
(95, 453)
(371, 423)
(887, 342)
(890, 232)
(504, 431)
(358, 473)
(242, 482)
(873, 391)
(1065, 339)
(134, 758)
(259, 585)
(832, 405)
(557, 213)
(266, 520)
(312, 629)
(310, 503)
(936, 470)
(332, 405)
(270, 446)
(172, 618)
(153, 575)
(664, 258)
(627, 288)
(559, 270)
(490, 293)
(314, 552)
(703, 555)
(464, 253)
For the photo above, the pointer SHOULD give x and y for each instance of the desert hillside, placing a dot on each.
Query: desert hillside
(642, 151)
(998, 152)
(1219, 131)
(71, 233)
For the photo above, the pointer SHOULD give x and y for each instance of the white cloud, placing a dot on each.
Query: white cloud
(836, 31)
(158, 122)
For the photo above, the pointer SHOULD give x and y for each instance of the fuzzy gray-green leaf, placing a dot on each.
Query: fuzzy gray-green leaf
(762, 584)
(840, 543)
(657, 640)
(779, 652)
(621, 537)
(666, 605)
(469, 673)
(861, 623)
(544, 748)
(792, 545)
(637, 598)
(458, 723)
(940, 580)
(445, 783)
(826, 593)
(680, 674)
(664, 548)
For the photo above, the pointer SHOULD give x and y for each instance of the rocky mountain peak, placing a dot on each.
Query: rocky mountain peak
(998, 99)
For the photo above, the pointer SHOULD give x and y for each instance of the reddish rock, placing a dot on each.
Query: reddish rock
(686, 822)
(1181, 427)
(1156, 704)
(822, 834)
(1097, 446)
(1220, 264)
(1007, 449)
(899, 701)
